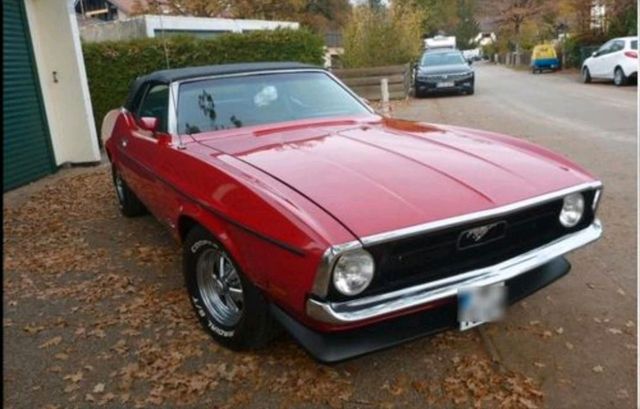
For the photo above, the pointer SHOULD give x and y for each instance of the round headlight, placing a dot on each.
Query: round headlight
(353, 272)
(572, 210)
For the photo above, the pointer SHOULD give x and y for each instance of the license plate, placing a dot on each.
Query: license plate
(445, 84)
(480, 304)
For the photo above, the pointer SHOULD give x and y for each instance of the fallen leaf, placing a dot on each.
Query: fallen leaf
(614, 331)
(33, 329)
(74, 377)
(622, 394)
(99, 388)
(71, 388)
(52, 342)
(598, 369)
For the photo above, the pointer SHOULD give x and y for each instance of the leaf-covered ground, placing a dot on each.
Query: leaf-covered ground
(96, 315)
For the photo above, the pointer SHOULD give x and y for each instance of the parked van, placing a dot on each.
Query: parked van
(544, 57)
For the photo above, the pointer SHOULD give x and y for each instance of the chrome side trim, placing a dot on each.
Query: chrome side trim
(380, 305)
(596, 200)
(321, 284)
(466, 218)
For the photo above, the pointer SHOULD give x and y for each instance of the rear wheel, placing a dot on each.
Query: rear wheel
(230, 308)
(619, 78)
(586, 75)
(130, 205)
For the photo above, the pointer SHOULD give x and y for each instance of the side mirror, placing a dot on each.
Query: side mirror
(470, 61)
(164, 139)
(594, 54)
(149, 123)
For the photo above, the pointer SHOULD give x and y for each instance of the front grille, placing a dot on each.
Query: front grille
(436, 255)
(441, 78)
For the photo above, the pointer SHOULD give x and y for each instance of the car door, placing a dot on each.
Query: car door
(144, 149)
(612, 58)
(597, 66)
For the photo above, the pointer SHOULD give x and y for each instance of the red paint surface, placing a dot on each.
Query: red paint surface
(315, 183)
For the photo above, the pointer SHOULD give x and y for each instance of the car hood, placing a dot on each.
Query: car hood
(443, 69)
(380, 176)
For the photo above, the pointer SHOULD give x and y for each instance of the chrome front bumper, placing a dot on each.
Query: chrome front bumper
(379, 305)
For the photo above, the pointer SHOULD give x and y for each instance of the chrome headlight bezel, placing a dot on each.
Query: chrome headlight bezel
(573, 210)
(353, 272)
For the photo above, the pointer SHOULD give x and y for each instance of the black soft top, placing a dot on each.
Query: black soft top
(177, 74)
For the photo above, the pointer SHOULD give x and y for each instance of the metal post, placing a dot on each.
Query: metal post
(384, 87)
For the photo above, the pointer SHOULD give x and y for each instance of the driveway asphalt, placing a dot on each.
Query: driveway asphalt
(584, 354)
(96, 314)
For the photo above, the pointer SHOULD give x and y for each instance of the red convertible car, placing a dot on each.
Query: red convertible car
(299, 207)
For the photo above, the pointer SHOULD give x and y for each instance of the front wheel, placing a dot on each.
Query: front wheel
(619, 78)
(586, 75)
(130, 205)
(417, 93)
(230, 308)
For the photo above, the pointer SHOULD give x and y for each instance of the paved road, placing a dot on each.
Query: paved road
(594, 125)
(96, 314)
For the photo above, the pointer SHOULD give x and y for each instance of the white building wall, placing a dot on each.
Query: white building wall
(56, 45)
(205, 24)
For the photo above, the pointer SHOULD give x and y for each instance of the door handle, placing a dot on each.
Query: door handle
(124, 142)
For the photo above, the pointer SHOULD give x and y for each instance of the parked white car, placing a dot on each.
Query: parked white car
(616, 60)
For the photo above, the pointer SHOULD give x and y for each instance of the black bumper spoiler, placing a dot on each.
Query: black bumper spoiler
(339, 346)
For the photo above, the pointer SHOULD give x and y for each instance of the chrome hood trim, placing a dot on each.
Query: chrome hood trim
(471, 217)
(322, 280)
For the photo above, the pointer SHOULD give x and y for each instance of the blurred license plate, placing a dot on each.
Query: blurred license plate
(445, 84)
(480, 304)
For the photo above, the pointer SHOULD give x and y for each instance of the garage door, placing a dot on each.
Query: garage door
(27, 153)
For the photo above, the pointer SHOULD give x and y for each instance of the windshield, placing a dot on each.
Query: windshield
(443, 58)
(234, 102)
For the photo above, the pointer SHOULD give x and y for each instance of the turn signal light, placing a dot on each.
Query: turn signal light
(631, 54)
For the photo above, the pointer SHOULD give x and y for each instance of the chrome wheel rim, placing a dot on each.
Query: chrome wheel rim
(119, 188)
(618, 77)
(220, 287)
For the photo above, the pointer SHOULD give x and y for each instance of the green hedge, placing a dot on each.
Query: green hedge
(111, 66)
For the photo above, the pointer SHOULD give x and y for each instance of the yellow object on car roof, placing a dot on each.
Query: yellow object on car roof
(543, 51)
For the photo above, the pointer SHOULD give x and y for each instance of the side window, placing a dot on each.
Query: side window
(617, 46)
(155, 103)
(606, 48)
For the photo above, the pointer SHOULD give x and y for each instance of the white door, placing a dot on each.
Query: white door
(612, 58)
(597, 68)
